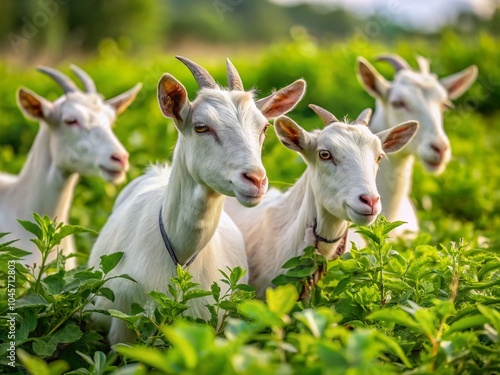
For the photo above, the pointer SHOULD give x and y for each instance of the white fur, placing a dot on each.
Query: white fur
(424, 98)
(282, 226)
(59, 154)
(206, 167)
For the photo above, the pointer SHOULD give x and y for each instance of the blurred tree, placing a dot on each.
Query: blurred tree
(55, 26)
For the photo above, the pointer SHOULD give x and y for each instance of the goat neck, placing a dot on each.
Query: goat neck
(394, 179)
(42, 186)
(307, 213)
(191, 212)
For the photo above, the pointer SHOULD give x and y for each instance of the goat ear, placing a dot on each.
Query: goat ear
(373, 82)
(173, 99)
(291, 135)
(458, 83)
(394, 139)
(33, 105)
(121, 102)
(282, 101)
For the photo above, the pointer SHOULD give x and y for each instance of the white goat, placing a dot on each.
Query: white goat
(75, 137)
(413, 95)
(170, 216)
(338, 186)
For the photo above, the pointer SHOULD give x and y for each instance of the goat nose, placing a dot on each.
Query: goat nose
(258, 178)
(369, 201)
(121, 158)
(440, 149)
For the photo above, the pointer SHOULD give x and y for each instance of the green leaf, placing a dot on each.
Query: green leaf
(68, 334)
(245, 288)
(215, 291)
(260, 313)
(100, 361)
(315, 321)
(394, 347)
(239, 330)
(487, 269)
(195, 293)
(331, 356)
(389, 226)
(36, 366)
(109, 262)
(108, 293)
(31, 227)
(13, 252)
(467, 322)
(302, 271)
(426, 321)
(149, 356)
(342, 285)
(68, 230)
(282, 280)
(350, 266)
(368, 233)
(292, 262)
(123, 316)
(54, 283)
(173, 291)
(492, 315)
(281, 299)
(236, 274)
(190, 340)
(86, 358)
(44, 347)
(395, 316)
(123, 276)
(28, 324)
(88, 275)
(31, 300)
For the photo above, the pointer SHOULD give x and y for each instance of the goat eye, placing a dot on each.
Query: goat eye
(265, 128)
(201, 128)
(398, 104)
(325, 155)
(71, 122)
(379, 159)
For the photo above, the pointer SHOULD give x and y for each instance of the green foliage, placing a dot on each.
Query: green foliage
(49, 310)
(162, 310)
(385, 309)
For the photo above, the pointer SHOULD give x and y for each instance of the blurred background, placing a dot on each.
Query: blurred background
(272, 43)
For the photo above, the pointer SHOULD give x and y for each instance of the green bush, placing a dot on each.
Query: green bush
(385, 309)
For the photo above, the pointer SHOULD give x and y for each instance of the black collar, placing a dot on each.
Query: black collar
(168, 245)
(323, 239)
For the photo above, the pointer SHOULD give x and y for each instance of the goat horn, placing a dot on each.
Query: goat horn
(203, 78)
(63, 80)
(323, 114)
(87, 81)
(233, 77)
(364, 117)
(396, 61)
(424, 65)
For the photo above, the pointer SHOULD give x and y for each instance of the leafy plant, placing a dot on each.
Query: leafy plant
(49, 312)
(162, 309)
(385, 309)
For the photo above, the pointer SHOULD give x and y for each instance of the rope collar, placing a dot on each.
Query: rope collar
(323, 239)
(168, 244)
